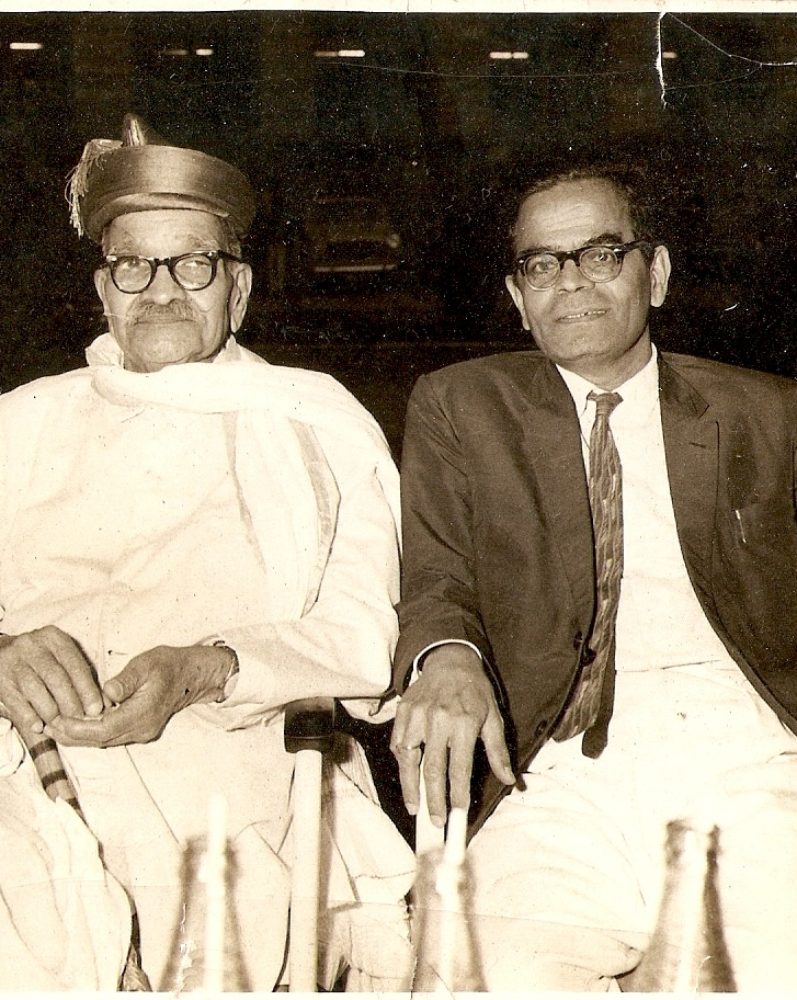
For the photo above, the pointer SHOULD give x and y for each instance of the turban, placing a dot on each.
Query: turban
(144, 172)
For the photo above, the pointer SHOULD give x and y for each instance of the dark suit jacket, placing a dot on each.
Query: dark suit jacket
(498, 540)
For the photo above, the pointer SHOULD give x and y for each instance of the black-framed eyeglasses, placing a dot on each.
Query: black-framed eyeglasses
(193, 271)
(601, 263)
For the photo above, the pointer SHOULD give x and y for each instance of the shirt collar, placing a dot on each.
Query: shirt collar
(640, 393)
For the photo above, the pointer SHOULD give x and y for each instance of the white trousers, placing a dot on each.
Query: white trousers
(567, 873)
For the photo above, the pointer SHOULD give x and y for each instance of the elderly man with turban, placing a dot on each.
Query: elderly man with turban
(192, 538)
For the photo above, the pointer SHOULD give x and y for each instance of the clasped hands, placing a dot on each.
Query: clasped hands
(449, 707)
(48, 685)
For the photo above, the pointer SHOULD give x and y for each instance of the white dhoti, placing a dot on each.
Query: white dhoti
(64, 921)
(568, 872)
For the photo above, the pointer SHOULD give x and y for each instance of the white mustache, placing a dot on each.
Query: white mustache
(153, 312)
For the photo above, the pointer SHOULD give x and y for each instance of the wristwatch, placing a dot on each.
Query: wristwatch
(232, 673)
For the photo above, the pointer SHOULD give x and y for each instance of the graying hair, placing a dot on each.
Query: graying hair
(627, 184)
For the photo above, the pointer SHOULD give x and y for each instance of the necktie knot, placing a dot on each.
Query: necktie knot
(605, 402)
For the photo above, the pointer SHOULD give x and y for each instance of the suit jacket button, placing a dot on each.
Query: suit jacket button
(578, 638)
(542, 725)
(588, 656)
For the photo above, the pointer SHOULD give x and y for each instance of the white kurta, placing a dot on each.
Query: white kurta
(128, 522)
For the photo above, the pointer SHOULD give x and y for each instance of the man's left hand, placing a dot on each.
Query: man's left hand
(145, 694)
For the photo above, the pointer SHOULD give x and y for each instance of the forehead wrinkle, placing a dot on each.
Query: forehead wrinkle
(572, 208)
(125, 242)
(594, 241)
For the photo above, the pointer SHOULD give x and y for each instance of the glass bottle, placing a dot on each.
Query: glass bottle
(205, 955)
(447, 959)
(687, 950)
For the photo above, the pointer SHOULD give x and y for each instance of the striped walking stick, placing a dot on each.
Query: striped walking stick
(50, 768)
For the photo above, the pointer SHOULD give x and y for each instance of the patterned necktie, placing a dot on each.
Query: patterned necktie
(590, 706)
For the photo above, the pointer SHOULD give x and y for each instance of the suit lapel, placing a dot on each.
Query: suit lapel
(691, 444)
(553, 444)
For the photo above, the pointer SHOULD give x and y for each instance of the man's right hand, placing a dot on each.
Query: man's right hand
(44, 674)
(446, 710)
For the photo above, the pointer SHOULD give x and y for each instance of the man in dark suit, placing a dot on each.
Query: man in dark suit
(600, 588)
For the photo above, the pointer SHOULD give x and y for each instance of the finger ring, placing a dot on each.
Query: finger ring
(406, 746)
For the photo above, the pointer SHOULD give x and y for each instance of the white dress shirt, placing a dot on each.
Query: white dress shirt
(660, 623)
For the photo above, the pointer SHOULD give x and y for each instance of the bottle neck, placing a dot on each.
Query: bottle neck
(681, 915)
(446, 949)
(687, 948)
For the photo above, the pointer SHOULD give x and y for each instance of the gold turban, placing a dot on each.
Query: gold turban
(143, 172)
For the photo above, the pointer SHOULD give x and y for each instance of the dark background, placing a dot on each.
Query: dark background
(438, 131)
(426, 122)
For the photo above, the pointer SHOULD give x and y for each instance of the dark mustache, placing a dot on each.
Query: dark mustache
(153, 312)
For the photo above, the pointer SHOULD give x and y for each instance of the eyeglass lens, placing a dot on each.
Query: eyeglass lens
(595, 263)
(192, 272)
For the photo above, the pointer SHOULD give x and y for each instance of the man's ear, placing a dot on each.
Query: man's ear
(517, 298)
(659, 275)
(101, 276)
(239, 294)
